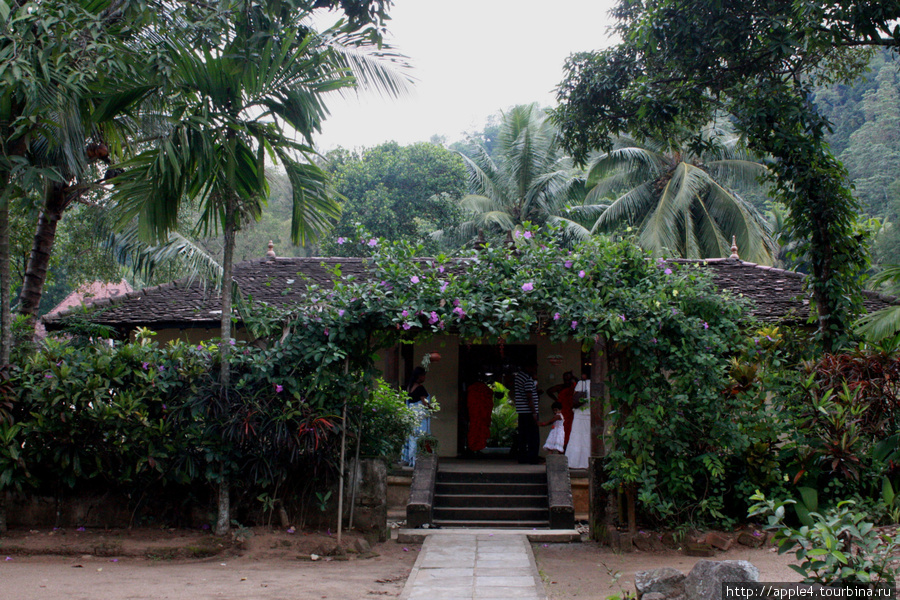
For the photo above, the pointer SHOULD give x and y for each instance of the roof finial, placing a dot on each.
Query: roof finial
(271, 252)
(734, 248)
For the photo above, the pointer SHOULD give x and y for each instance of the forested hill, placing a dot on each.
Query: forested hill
(866, 136)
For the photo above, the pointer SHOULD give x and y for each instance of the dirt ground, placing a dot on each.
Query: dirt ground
(588, 570)
(273, 565)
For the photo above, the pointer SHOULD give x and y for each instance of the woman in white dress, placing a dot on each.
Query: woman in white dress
(579, 448)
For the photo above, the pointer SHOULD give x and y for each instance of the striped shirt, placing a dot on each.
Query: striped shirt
(525, 393)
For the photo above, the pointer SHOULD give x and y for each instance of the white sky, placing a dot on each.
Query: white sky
(471, 58)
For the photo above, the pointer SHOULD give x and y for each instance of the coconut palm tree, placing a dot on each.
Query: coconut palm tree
(532, 180)
(683, 203)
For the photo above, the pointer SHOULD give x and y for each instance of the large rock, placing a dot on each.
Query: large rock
(666, 581)
(705, 580)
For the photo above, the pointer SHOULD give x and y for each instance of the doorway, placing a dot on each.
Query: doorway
(490, 364)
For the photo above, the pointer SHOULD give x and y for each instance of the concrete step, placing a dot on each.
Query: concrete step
(491, 477)
(489, 524)
(480, 513)
(490, 489)
(416, 536)
(491, 500)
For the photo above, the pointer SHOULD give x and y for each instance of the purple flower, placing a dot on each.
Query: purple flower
(145, 365)
(232, 342)
(433, 318)
(341, 241)
(653, 341)
(517, 234)
(341, 312)
(405, 313)
(556, 316)
(80, 529)
(414, 279)
(705, 325)
(161, 368)
(48, 376)
(327, 331)
(622, 317)
(458, 311)
(528, 235)
(279, 388)
(668, 271)
(569, 264)
(372, 243)
(444, 285)
(456, 302)
(527, 287)
(407, 326)
(9, 558)
(574, 324)
(440, 269)
(581, 273)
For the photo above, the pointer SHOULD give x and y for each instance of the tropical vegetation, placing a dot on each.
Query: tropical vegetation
(678, 65)
(681, 202)
(530, 180)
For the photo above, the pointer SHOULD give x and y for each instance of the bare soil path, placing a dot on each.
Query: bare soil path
(276, 565)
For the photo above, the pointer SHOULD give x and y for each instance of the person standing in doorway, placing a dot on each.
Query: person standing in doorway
(418, 401)
(578, 451)
(526, 402)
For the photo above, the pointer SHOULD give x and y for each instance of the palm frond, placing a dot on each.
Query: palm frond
(879, 325)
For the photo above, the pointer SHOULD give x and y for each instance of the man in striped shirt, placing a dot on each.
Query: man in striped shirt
(525, 395)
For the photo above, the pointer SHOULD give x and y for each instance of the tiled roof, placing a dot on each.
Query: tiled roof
(775, 294)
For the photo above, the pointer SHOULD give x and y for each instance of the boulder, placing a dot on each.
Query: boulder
(666, 581)
(705, 580)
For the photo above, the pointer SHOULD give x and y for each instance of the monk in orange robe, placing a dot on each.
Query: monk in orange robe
(480, 402)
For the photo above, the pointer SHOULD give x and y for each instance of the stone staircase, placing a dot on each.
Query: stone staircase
(514, 499)
(498, 496)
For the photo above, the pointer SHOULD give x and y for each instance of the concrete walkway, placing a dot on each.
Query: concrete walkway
(474, 566)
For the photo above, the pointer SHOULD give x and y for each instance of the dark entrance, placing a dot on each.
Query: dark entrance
(489, 364)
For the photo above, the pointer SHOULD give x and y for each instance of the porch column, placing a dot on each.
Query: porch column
(599, 516)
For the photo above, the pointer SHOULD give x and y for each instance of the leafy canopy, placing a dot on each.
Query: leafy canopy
(682, 63)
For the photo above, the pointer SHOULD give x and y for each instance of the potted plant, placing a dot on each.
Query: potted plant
(427, 444)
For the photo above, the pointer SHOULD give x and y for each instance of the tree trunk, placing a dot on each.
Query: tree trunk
(223, 519)
(5, 314)
(3, 501)
(41, 248)
(223, 516)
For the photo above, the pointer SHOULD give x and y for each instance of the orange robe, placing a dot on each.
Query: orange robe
(480, 402)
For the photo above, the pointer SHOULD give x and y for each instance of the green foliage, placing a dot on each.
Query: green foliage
(666, 325)
(396, 193)
(844, 413)
(385, 420)
(529, 179)
(838, 548)
(683, 203)
(681, 64)
(504, 420)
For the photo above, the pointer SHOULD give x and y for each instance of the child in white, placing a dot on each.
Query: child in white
(555, 443)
